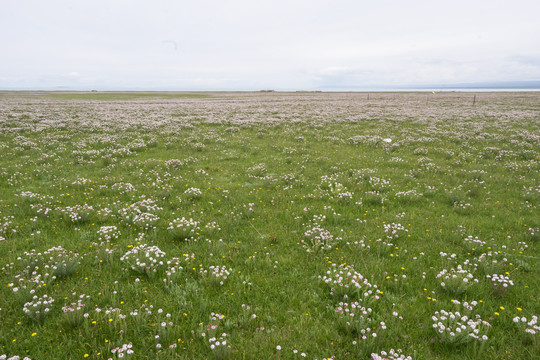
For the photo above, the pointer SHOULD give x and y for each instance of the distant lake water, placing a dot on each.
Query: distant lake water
(435, 90)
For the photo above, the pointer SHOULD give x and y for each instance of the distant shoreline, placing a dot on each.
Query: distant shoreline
(337, 90)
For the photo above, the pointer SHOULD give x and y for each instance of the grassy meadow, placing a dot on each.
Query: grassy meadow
(269, 225)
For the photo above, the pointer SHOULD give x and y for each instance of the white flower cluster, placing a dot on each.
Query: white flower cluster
(354, 318)
(455, 328)
(123, 187)
(351, 309)
(369, 332)
(490, 261)
(74, 313)
(499, 280)
(394, 230)
(474, 242)
(39, 308)
(140, 213)
(218, 343)
(212, 226)
(5, 225)
(456, 281)
(317, 239)
(462, 205)
(377, 183)
(346, 282)
(55, 262)
(146, 220)
(144, 259)
(216, 273)
(120, 352)
(174, 164)
(469, 306)
(193, 192)
(184, 229)
(77, 213)
(76, 305)
(409, 194)
(345, 196)
(257, 171)
(215, 343)
(15, 357)
(107, 233)
(390, 355)
(530, 327)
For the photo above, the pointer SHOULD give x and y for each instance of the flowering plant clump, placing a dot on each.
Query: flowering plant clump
(368, 336)
(462, 206)
(378, 184)
(212, 227)
(62, 262)
(344, 196)
(74, 313)
(345, 282)
(216, 274)
(491, 262)
(193, 193)
(174, 164)
(420, 151)
(39, 308)
(77, 214)
(145, 220)
(317, 239)
(174, 272)
(219, 346)
(500, 283)
(382, 247)
(164, 329)
(534, 233)
(473, 243)
(467, 306)
(140, 213)
(123, 187)
(144, 259)
(121, 351)
(257, 171)
(15, 357)
(352, 317)
(184, 229)
(455, 328)
(408, 195)
(217, 340)
(393, 230)
(391, 355)
(456, 281)
(25, 286)
(42, 267)
(104, 252)
(530, 327)
(108, 233)
(335, 188)
(5, 225)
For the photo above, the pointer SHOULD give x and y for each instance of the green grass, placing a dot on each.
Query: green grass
(269, 168)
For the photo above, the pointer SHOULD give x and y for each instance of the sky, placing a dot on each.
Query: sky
(269, 44)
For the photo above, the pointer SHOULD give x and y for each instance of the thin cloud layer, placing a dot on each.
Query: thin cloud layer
(246, 45)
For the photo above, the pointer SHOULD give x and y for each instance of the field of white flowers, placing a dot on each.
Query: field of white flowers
(269, 226)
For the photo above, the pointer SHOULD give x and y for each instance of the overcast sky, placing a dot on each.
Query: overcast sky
(269, 44)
